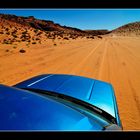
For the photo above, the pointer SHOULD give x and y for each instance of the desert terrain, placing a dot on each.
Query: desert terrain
(111, 58)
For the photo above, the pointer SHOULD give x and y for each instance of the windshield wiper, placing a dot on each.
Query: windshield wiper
(76, 101)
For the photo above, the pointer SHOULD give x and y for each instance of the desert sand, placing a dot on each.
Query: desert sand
(111, 59)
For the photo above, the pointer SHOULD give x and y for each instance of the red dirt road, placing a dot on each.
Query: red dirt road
(115, 60)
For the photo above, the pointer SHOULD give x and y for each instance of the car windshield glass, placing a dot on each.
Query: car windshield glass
(84, 104)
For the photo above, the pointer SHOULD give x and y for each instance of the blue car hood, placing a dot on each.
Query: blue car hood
(93, 91)
(24, 110)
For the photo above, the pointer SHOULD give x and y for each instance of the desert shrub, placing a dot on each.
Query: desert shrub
(28, 36)
(7, 29)
(27, 45)
(7, 41)
(22, 51)
(92, 37)
(14, 47)
(61, 35)
(14, 31)
(33, 38)
(8, 33)
(37, 38)
(70, 36)
(33, 42)
(1, 33)
(14, 35)
(39, 33)
(23, 36)
(100, 37)
(66, 38)
(54, 44)
(73, 37)
(6, 50)
(24, 32)
(23, 39)
(36, 30)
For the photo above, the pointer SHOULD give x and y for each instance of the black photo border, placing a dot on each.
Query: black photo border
(69, 4)
(64, 4)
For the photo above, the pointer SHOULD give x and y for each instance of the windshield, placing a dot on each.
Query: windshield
(85, 105)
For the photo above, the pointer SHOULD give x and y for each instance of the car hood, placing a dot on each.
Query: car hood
(24, 110)
(95, 92)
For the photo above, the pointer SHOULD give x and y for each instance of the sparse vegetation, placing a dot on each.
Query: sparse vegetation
(7, 29)
(8, 33)
(22, 51)
(39, 33)
(33, 31)
(6, 50)
(24, 32)
(14, 35)
(92, 37)
(36, 30)
(14, 47)
(100, 37)
(37, 38)
(130, 29)
(66, 38)
(23, 39)
(33, 42)
(25, 36)
(7, 41)
(27, 45)
(1, 32)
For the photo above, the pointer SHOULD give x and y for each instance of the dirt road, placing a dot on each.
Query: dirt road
(115, 60)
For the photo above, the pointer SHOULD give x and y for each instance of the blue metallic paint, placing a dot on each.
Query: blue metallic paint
(93, 91)
(24, 110)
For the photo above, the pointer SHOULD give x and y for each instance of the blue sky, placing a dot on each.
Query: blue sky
(82, 18)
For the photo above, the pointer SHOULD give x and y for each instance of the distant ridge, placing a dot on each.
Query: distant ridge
(130, 29)
(47, 25)
(97, 32)
(29, 29)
